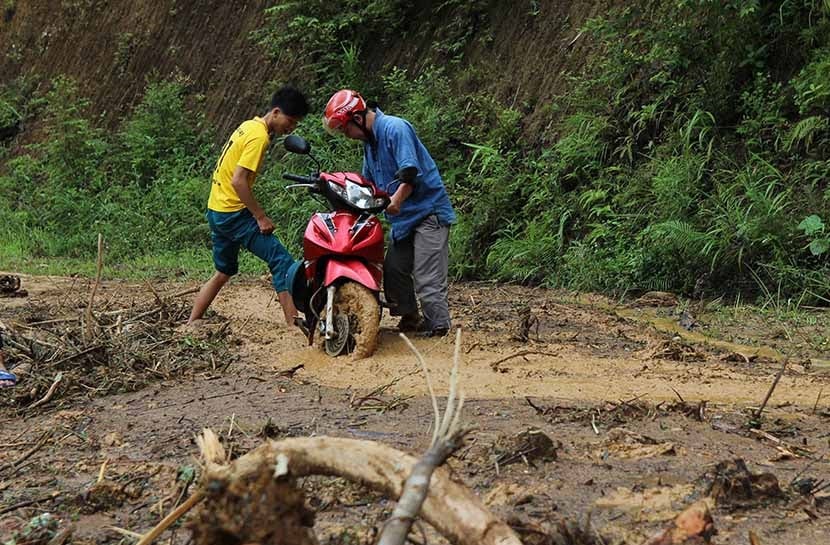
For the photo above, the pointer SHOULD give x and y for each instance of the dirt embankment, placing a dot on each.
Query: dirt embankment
(517, 51)
(112, 47)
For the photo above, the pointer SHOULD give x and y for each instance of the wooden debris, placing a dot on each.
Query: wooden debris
(527, 322)
(446, 439)
(126, 352)
(676, 350)
(374, 402)
(795, 450)
(450, 507)
(89, 318)
(43, 440)
(168, 521)
(50, 393)
(27, 503)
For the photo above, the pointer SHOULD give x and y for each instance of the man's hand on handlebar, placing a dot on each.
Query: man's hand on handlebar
(403, 192)
(394, 207)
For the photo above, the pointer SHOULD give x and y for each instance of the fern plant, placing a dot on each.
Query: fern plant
(806, 132)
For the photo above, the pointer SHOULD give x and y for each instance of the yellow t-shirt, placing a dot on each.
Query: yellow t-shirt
(245, 148)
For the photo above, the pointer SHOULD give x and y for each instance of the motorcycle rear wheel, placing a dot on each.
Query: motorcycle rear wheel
(361, 308)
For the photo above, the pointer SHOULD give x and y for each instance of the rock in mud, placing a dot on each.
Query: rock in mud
(694, 526)
(527, 446)
(732, 484)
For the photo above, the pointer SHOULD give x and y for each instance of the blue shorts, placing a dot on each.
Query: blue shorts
(233, 230)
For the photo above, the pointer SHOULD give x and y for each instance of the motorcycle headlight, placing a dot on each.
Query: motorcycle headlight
(360, 196)
(357, 195)
(338, 190)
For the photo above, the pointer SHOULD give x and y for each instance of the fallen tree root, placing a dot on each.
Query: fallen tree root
(452, 509)
(423, 488)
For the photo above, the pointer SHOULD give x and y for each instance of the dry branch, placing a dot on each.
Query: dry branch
(27, 503)
(425, 489)
(125, 354)
(495, 365)
(50, 393)
(184, 292)
(771, 389)
(44, 438)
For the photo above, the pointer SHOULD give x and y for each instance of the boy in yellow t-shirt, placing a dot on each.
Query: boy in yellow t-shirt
(236, 218)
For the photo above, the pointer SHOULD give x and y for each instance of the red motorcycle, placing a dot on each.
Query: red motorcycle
(337, 284)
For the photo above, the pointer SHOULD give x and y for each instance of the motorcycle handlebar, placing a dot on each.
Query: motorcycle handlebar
(300, 179)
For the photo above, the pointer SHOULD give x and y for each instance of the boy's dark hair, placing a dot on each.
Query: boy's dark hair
(291, 101)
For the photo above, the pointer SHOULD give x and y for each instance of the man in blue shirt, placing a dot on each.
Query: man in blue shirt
(420, 212)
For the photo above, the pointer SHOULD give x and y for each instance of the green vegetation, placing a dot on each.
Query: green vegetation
(141, 186)
(691, 152)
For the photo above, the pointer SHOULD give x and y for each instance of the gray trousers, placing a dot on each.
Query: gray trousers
(417, 265)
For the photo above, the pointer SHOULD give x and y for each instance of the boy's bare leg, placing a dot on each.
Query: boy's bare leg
(4, 383)
(288, 308)
(207, 294)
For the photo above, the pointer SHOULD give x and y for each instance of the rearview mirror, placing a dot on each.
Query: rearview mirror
(296, 144)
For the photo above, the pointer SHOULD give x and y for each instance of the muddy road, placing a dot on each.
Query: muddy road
(638, 416)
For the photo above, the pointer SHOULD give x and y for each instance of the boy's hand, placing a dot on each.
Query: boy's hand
(266, 226)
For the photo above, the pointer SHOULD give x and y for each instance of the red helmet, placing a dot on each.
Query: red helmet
(341, 107)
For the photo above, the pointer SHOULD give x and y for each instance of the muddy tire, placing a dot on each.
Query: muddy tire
(363, 311)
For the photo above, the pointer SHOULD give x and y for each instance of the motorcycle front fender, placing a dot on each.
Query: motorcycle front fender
(352, 269)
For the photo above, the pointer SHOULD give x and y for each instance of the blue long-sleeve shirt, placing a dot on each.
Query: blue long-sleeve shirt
(397, 146)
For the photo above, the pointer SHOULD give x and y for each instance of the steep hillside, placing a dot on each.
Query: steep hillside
(519, 52)
(111, 47)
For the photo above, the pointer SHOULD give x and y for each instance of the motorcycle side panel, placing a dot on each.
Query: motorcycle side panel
(353, 269)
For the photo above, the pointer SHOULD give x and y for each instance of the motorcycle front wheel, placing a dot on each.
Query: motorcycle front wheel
(356, 320)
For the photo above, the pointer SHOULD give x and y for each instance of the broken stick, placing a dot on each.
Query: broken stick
(88, 317)
(44, 438)
(175, 515)
(495, 365)
(446, 439)
(771, 389)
